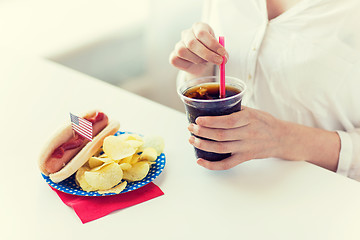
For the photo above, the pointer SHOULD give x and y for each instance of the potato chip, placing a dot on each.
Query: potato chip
(126, 160)
(80, 180)
(97, 161)
(98, 152)
(127, 136)
(135, 143)
(118, 159)
(117, 189)
(116, 148)
(138, 171)
(104, 177)
(155, 142)
(101, 166)
(135, 158)
(149, 154)
(125, 166)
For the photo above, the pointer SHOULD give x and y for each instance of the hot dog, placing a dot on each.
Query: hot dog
(68, 150)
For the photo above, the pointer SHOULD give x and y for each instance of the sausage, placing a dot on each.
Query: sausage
(66, 151)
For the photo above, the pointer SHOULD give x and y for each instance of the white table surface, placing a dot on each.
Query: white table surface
(260, 199)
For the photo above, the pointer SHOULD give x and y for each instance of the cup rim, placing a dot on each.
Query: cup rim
(214, 100)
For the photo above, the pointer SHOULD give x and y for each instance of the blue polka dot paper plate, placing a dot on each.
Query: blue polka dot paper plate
(69, 185)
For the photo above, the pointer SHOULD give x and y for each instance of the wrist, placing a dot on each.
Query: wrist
(284, 149)
(314, 145)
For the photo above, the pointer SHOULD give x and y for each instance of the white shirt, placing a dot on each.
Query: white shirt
(303, 66)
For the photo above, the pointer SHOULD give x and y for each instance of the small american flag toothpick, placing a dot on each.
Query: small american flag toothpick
(81, 126)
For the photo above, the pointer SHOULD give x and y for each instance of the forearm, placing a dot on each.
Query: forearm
(317, 146)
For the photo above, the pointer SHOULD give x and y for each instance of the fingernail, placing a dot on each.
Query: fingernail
(218, 60)
(226, 58)
(221, 51)
(192, 139)
(193, 128)
(196, 141)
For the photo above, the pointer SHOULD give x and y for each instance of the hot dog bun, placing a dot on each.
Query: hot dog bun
(81, 157)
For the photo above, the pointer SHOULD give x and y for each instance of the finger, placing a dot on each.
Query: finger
(225, 164)
(179, 62)
(234, 120)
(226, 57)
(204, 26)
(195, 46)
(214, 146)
(219, 134)
(183, 52)
(204, 34)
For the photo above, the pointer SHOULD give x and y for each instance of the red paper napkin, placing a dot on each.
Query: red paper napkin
(91, 208)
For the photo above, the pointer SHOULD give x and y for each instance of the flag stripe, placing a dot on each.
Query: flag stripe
(85, 122)
(82, 131)
(87, 137)
(84, 135)
(87, 130)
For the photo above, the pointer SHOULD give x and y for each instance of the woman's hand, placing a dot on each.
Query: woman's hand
(248, 134)
(198, 51)
(253, 134)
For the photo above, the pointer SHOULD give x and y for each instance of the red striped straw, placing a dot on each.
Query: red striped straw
(222, 70)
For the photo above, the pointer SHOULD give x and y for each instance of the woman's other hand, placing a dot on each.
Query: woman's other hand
(254, 134)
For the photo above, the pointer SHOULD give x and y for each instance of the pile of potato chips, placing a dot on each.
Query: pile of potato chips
(126, 157)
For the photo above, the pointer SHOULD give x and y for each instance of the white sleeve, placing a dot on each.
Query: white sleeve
(349, 158)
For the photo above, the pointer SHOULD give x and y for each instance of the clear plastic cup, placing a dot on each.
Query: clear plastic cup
(213, 107)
